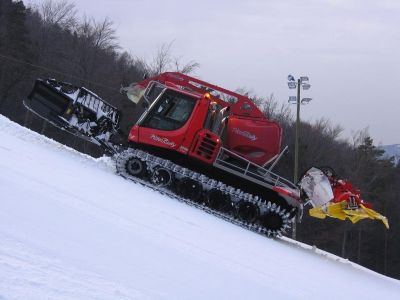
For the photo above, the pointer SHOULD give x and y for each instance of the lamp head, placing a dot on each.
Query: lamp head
(305, 100)
(290, 78)
(304, 78)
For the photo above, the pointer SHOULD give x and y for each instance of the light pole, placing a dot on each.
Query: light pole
(302, 82)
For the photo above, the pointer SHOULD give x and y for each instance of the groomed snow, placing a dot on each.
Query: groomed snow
(71, 229)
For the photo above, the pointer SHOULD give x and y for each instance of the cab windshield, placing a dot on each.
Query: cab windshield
(171, 111)
(136, 92)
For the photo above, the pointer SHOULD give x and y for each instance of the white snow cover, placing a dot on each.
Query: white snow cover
(71, 229)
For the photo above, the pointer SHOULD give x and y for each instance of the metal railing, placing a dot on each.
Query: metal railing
(236, 164)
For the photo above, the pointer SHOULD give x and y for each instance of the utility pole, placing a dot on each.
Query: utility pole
(301, 82)
(296, 144)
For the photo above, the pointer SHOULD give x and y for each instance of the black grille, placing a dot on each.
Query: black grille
(206, 147)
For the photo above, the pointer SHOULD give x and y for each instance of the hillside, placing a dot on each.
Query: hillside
(71, 229)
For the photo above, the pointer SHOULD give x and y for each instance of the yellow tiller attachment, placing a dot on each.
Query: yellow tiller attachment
(341, 211)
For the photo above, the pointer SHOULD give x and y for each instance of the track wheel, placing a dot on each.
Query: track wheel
(219, 201)
(247, 211)
(272, 221)
(190, 189)
(136, 167)
(162, 177)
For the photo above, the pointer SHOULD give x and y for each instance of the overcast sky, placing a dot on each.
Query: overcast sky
(350, 49)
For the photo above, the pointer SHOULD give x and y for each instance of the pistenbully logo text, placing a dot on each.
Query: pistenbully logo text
(246, 134)
(163, 140)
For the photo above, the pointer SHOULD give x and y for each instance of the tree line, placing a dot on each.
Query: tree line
(50, 41)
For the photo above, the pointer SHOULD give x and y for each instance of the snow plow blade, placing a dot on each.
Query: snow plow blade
(74, 109)
(340, 211)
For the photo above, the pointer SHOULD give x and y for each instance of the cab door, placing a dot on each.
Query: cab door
(168, 120)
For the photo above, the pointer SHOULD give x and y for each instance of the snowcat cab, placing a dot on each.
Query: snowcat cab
(230, 120)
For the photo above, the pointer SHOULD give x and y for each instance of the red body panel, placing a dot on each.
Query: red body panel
(134, 134)
(255, 140)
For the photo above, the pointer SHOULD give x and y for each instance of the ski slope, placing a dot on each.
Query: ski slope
(71, 229)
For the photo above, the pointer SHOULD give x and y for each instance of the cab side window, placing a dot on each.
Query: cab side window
(172, 111)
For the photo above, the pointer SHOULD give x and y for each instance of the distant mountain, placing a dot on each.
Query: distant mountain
(392, 150)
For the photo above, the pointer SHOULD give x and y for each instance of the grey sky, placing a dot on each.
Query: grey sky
(348, 48)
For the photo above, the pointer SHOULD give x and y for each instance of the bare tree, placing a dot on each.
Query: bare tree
(186, 68)
(277, 112)
(104, 35)
(359, 136)
(98, 34)
(164, 61)
(325, 127)
(60, 13)
(269, 106)
(94, 40)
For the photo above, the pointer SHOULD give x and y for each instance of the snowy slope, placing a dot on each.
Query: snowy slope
(71, 229)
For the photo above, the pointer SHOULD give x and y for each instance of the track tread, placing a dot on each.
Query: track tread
(153, 161)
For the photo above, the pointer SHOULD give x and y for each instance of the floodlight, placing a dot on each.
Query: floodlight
(303, 78)
(292, 99)
(306, 86)
(305, 100)
(290, 78)
(291, 84)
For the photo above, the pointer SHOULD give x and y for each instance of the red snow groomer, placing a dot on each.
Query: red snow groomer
(197, 142)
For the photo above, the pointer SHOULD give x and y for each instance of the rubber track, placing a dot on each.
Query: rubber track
(153, 161)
